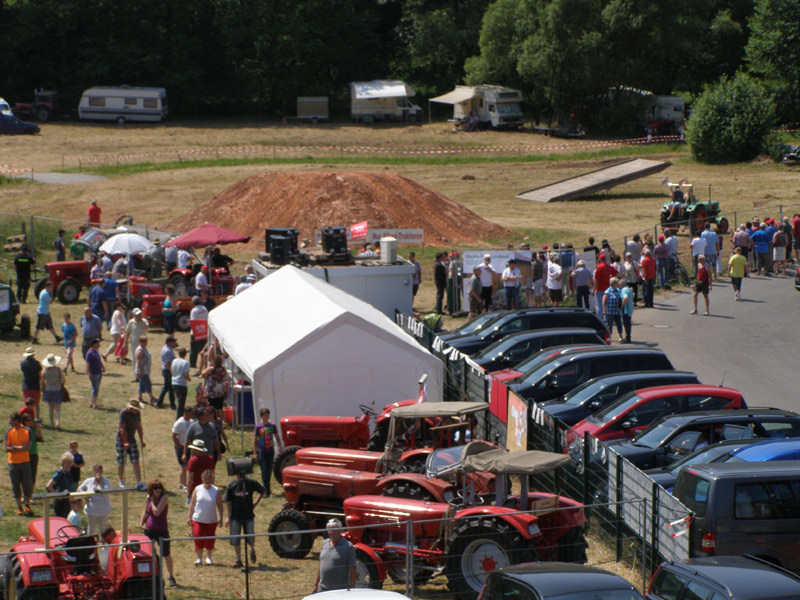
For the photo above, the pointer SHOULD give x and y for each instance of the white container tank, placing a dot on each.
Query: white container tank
(388, 250)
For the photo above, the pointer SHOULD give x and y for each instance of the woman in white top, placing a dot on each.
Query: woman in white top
(118, 322)
(205, 514)
(98, 507)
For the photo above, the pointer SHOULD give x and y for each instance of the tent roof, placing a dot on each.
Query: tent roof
(523, 462)
(281, 310)
(382, 89)
(460, 94)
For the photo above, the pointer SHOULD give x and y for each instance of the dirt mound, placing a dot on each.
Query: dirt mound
(310, 200)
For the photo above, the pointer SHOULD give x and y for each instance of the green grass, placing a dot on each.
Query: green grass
(6, 180)
(143, 167)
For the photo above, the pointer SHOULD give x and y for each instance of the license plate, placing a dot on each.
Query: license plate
(142, 567)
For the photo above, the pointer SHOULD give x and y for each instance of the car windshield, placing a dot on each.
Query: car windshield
(508, 109)
(476, 323)
(616, 408)
(585, 392)
(536, 374)
(705, 455)
(653, 436)
(599, 595)
(498, 347)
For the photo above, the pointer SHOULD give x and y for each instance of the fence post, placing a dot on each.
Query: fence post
(587, 499)
(735, 221)
(153, 576)
(409, 559)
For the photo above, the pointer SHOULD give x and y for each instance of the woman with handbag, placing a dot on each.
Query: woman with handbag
(52, 382)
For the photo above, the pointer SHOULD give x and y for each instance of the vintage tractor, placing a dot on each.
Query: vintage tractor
(417, 426)
(10, 316)
(467, 537)
(315, 493)
(44, 106)
(684, 209)
(58, 561)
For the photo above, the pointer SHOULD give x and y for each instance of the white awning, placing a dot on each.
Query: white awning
(457, 96)
(382, 89)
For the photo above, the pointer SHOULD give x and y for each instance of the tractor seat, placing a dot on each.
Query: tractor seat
(83, 560)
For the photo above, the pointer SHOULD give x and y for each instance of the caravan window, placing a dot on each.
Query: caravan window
(403, 102)
(131, 101)
(100, 102)
(151, 102)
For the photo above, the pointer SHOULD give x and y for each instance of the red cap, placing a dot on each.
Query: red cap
(77, 236)
(204, 268)
(661, 238)
(601, 255)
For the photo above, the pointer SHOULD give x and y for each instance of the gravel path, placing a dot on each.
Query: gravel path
(61, 177)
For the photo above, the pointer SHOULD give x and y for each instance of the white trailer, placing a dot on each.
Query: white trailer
(485, 106)
(383, 100)
(123, 103)
(312, 108)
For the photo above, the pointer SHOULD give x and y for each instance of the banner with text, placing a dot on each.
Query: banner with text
(403, 236)
(359, 231)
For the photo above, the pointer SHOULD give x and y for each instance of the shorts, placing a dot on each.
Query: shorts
(736, 282)
(159, 535)
(701, 287)
(556, 295)
(217, 403)
(475, 306)
(204, 530)
(35, 394)
(44, 322)
(132, 450)
(145, 385)
(236, 527)
(179, 456)
(538, 288)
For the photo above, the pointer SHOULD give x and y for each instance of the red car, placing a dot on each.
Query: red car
(634, 412)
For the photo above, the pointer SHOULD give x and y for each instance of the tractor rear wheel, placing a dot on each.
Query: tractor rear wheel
(43, 114)
(408, 489)
(477, 547)
(68, 291)
(367, 570)
(39, 287)
(24, 327)
(14, 585)
(178, 281)
(285, 458)
(294, 541)
(572, 546)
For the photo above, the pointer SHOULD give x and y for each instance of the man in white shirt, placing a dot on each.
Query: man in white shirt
(183, 259)
(179, 430)
(698, 249)
(486, 274)
(201, 279)
(246, 284)
(511, 279)
(554, 283)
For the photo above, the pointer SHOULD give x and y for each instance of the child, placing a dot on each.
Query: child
(74, 516)
(78, 462)
(70, 334)
(29, 408)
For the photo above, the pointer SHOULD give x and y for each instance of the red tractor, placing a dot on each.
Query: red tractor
(44, 106)
(467, 537)
(346, 442)
(315, 493)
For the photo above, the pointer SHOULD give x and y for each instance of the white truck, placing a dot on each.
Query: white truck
(485, 106)
(383, 100)
(123, 103)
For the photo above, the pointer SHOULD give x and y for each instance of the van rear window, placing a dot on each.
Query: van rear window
(693, 492)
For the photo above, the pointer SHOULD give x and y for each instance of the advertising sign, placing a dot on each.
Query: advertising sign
(359, 231)
(199, 329)
(517, 432)
(403, 236)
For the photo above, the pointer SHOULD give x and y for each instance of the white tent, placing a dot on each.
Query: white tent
(311, 349)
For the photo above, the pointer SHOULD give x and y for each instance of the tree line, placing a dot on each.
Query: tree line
(569, 57)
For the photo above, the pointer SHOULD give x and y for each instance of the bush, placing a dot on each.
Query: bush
(731, 121)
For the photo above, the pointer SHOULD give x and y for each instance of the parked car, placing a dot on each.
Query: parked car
(473, 325)
(543, 356)
(556, 581)
(11, 125)
(766, 451)
(516, 347)
(356, 594)
(527, 320)
(675, 436)
(634, 412)
(599, 392)
(563, 374)
(744, 508)
(723, 578)
(5, 109)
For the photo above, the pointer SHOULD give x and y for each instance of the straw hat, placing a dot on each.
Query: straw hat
(135, 404)
(28, 352)
(198, 445)
(51, 361)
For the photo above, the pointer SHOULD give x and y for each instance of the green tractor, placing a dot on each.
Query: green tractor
(684, 209)
(9, 311)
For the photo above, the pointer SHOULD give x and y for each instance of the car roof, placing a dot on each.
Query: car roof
(549, 578)
(741, 413)
(743, 577)
(538, 333)
(766, 448)
(718, 469)
(637, 375)
(687, 388)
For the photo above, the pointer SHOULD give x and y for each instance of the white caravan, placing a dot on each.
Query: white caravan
(123, 103)
(383, 100)
(489, 105)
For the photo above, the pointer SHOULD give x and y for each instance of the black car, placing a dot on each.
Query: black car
(599, 392)
(516, 347)
(527, 320)
(560, 375)
(473, 325)
(723, 578)
(675, 436)
(545, 581)
(13, 126)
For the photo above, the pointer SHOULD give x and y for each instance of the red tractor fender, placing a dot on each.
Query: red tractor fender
(436, 487)
(375, 558)
(415, 454)
(124, 564)
(30, 557)
(522, 522)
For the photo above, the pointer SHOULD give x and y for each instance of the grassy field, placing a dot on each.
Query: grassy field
(157, 195)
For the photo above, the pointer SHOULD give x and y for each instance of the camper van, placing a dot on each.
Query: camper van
(383, 100)
(485, 106)
(123, 104)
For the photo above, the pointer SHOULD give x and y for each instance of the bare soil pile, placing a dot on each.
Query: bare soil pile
(311, 200)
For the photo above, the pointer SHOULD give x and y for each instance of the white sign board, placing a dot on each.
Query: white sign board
(499, 260)
(403, 236)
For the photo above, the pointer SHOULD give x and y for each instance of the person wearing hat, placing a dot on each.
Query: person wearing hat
(60, 246)
(511, 279)
(337, 561)
(555, 279)
(31, 382)
(157, 259)
(52, 382)
(487, 281)
(23, 263)
(77, 249)
(246, 283)
(130, 423)
(201, 460)
(94, 213)
(201, 279)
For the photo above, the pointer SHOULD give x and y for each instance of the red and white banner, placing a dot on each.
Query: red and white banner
(199, 329)
(359, 231)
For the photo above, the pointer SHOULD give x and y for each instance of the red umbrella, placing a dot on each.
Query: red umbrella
(207, 235)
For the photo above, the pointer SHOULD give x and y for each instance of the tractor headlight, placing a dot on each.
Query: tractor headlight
(533, 529)
(40, 576)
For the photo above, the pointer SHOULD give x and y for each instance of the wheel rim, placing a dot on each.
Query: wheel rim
(70, 293)
(362, 570)
(480, 558)
(290, 535)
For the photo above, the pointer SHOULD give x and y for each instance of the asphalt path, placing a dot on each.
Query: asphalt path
(749, 345)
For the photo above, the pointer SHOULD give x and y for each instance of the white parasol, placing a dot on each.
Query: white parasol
(126, 243)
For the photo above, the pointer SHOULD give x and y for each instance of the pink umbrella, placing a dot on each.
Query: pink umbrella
(207, 235)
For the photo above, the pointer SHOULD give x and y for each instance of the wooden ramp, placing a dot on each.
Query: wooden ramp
(604, 178)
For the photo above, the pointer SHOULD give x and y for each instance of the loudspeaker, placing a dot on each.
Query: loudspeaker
(280, 249)
(334, 240)
(239, 465)
(288, 232)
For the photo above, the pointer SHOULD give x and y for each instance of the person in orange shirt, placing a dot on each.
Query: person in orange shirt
(17, 444)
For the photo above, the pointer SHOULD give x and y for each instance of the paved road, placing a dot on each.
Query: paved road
(49, 177)
(752, 344)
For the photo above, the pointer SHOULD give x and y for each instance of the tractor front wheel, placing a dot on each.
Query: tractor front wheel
(68, 291)
(39, 287)
(184, 322)
(367, 570)
(24, 327)
(285, 458)
(408, 489)
(14, 586)
(138, 589)
(572, 546)
(295, 541)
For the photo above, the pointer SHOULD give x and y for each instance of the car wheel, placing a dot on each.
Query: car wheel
(294, 540)
(286, 458)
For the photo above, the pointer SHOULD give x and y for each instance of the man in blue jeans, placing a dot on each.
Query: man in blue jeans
(264, 442)
(167, 356)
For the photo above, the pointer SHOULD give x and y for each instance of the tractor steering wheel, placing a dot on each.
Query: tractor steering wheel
(367, 410)
(62, 535)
